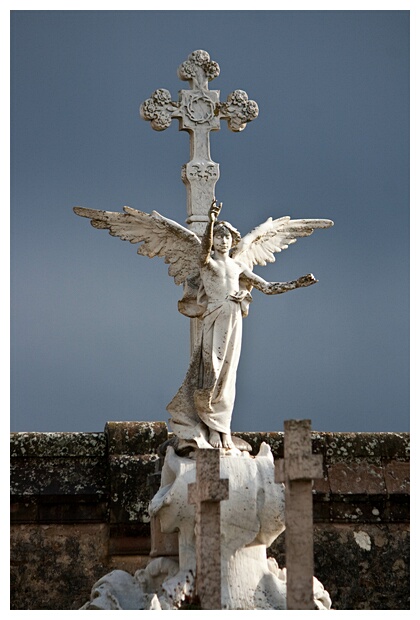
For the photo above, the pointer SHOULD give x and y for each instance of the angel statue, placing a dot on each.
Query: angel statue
(217, 276)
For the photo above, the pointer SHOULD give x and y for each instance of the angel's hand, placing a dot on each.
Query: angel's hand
(306, 280)
(215, 210)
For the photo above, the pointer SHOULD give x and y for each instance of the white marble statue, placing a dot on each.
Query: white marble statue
(250, 520)
(218, 278)
(225, 524)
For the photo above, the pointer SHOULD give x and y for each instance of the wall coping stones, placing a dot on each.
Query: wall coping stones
(57, 444)
(338, 447)
(133, 438)
(145, 437)
(110, 473)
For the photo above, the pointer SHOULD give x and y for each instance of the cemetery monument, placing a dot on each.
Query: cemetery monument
(226, 506)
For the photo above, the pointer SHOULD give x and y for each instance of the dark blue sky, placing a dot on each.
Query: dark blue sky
(95, 332)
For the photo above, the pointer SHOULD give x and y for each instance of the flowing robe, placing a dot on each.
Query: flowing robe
(206, 398)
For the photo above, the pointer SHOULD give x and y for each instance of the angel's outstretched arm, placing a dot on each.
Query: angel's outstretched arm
(276, 288)
(207, 240)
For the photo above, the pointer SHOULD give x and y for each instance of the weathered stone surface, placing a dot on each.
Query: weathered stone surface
(128, 540)
(134, 438)
(365, 567)
(59, 476)
(357, 508)
(54, 566)
(132, 460)
(341, 447)
(336, 514)
(57, 445)
(356, 478)
(397, 477)
(362, 567)
(129, 495)
(321, 486)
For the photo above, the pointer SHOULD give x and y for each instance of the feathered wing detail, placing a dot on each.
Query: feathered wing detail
(258, 246)
(157, 235)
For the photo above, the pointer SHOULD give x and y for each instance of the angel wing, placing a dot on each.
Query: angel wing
(157, 235)
(259, 245)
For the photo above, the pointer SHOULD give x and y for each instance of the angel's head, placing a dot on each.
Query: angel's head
(224, 230)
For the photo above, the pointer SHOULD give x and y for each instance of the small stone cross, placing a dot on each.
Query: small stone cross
(297, 470)
(207, 493)
(199, 112)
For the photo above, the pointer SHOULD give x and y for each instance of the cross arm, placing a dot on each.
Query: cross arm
(308, 468)
(208, 486)
(209, 491)
(299, 463)
(159, 109)
(238, 110)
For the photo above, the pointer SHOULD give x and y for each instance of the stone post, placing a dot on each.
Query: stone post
(297, 470)
(207, 493)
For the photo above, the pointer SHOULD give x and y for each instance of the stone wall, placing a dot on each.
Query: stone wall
(79, 509)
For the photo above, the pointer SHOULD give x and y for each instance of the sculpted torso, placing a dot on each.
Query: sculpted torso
(219, 272)
(220, 277)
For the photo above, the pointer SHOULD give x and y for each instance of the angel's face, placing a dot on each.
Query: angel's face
(222, 240)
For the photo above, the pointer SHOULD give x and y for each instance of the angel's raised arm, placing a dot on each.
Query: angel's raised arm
(207, 240)
(157, 236)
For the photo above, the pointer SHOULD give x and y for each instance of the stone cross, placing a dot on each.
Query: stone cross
(199, 112)
(297, 470)
(206, 493)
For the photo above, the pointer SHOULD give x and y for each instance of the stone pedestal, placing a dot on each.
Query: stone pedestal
(250, 520)
(250, 515)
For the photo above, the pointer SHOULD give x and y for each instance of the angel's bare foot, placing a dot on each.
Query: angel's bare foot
(215, 440)
(227, 441)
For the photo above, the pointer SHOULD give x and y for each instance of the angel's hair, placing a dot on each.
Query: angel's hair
(236, 235)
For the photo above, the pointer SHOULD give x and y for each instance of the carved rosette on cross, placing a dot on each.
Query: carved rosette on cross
(199, 111)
